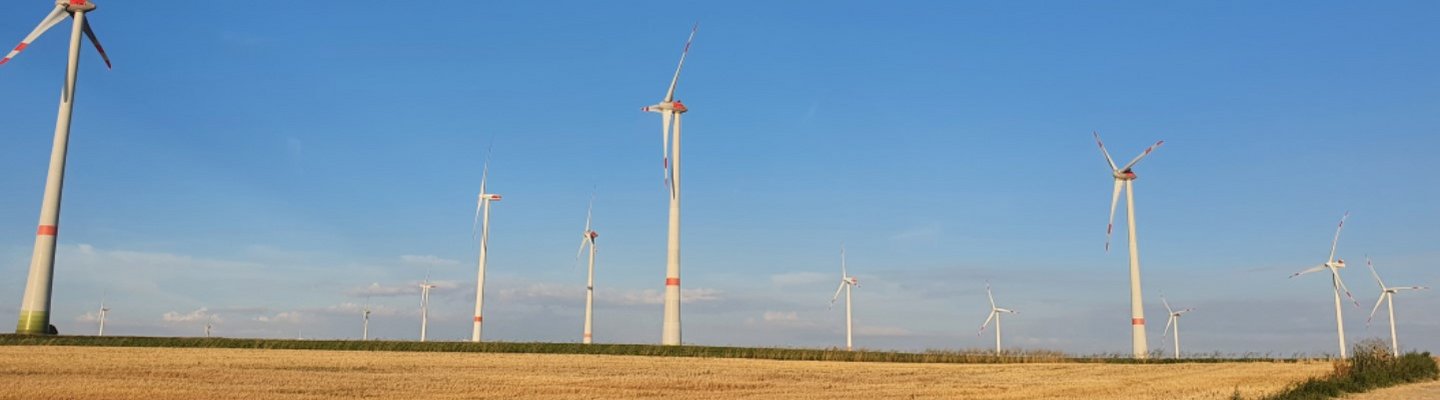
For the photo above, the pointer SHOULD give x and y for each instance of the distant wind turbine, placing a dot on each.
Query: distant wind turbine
(1173, 321)
(103, 311)
(1334, 265)
(1387, 296)
(208, 321)
(1125, 181)
(588, 239)
(482, 217)
(995, 312)
(365, 328)
(425, 305)
(670, 109)
(846, 282)
(35, 306)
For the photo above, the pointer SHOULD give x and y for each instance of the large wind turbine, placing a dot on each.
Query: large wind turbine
(482, 217)
(670, 109)
(1334, 265)
(425, 305)
(1173, 321)
(1387, 296)
(846, 282)
(35, 307)
(1125, 180)
(995, 315)
(588, 239)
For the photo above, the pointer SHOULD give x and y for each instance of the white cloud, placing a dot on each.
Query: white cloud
(287, 316)
(923, 233)
(652, 296)
(882, 331)
(399, 289)
(200, 314)
(92, 316)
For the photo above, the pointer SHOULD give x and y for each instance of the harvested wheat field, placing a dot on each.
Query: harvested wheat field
(56, 372)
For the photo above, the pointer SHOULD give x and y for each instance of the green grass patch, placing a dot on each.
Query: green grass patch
(1371, 367)
(762, 353)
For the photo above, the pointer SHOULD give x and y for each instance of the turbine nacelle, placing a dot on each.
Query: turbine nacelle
(76, 5)
(1337, 264)
(1126, 175)
(490, 197)
(664, 106)
(591, 235)
(851, 280)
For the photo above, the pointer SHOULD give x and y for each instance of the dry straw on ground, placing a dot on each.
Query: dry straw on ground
(55, 372)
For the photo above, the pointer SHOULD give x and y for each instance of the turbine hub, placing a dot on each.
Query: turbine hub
(680, 107)
(1127, 175)
(592, 234)
(76, 5)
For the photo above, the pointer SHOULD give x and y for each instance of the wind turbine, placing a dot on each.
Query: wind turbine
(365, 329)
(1334, 265)
(103, 310)
(425, 305)
(35, 307)
(482, 211)
(1387, 296)
(588, 239)
(208, 321)
(670, 109)
(995, 315)
(846, 282)
(1174, 321)
(1125, 180)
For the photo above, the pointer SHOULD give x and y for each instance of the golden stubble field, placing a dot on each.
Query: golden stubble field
(55, 372)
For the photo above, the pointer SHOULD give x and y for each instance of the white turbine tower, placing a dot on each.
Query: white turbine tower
(670, 110)
(1334, 265)
(1173, 321)
(995, 312)
(106, 310)
(588, 239)
(1125, 180)
(425, 305)
(208, 321)
(35, 306)
(1387, 296)
(482, 218)
(846, 282)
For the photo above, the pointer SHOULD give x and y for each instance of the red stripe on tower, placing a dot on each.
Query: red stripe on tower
(46, 230)
(672, 281)
(1137, 321)
(479, 318)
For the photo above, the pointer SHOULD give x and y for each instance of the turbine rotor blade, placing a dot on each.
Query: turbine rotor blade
(1113, 168)
(989, 295)
(1167, 305)
(837, 293)
(95, 41)
(986, 324)
(1336, 242)
(1168, 323)
(1370, 264)
(1341, 284)
(54, 18)
(1317, 268)
(1142, 155)
(665, 143)
(1114, 201)
(1376, 308)
(670, 94)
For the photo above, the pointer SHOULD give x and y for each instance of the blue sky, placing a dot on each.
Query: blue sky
(272, 163)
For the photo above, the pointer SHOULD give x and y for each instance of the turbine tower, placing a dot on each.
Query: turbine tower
(670, 109)
(482, 217)
(1387, 296)
(995, 315)
(425, 305)
(35, 306)
(1174, 321)
(1125, 180)
(588, 239)
(208, 322)
(846, 282)
(1334, 265)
